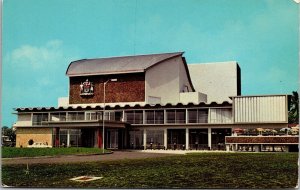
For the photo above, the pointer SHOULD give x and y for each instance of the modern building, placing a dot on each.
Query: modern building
(155, 101)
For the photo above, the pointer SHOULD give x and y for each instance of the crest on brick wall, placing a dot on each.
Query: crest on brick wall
(86, 88)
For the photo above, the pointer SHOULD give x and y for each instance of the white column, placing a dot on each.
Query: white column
(187, 138)
(165, 138)
(68, 138)
(145, 139)
(209, 138)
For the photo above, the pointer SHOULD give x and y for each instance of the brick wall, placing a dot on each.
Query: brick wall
(24, 134)
(128, 88)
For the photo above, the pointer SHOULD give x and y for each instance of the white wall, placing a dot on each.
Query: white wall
(217, 80)
(63, 101)
(24, 119)
(260, 108)
(162, 81)
(193, 97)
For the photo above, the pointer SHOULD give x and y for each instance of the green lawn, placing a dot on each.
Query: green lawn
(11, 152)
(205, 170)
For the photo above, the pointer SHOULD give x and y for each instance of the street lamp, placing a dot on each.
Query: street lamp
(103, 134)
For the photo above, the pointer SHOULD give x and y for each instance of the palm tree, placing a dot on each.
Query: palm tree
(294, 108)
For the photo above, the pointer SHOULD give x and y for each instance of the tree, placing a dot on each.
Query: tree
(6, 131)
(294, 108)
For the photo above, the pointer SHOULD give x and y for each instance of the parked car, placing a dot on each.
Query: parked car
(39, 145)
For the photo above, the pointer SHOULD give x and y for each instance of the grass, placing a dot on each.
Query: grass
(205, 170)
(11, 152)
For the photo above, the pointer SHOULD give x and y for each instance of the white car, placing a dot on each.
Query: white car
(39, 145)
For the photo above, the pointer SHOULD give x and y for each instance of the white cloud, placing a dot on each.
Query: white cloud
(35, 57)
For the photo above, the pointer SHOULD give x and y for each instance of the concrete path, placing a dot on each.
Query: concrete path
(117, 155)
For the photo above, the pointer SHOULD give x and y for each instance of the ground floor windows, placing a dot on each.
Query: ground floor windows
(155, 139)
(198, 139)
(67, 138)
(136, 139)
(112, 138)
(218, 138)
(176, 139)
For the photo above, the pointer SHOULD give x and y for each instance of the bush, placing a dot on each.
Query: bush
(30, 142)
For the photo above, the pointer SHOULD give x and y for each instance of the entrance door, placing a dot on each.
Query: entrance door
(87, 137)
(112, 138)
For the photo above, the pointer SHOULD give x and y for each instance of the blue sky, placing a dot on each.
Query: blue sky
(41, 37)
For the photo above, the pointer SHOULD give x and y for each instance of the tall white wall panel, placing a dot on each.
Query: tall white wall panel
(260, 109)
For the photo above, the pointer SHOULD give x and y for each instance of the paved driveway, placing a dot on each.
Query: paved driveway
(117, 155)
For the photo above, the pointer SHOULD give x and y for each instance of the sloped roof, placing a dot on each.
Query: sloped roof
(117, 65)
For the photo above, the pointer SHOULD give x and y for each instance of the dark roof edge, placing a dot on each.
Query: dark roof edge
(41, 109)
(188, 73)
(177, 54)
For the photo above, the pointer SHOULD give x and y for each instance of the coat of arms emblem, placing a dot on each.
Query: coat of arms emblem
(86, 88)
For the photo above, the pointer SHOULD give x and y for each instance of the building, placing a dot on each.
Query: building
(155, 101)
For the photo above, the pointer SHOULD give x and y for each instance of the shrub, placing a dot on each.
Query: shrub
(30, 142)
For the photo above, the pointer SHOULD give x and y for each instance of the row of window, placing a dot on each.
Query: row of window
(175, 116)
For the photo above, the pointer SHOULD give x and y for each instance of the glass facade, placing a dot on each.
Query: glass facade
(38, 118)
(58, 116)
(154, 116)
(155, 139)
(136, 139)
(198, 139)
(176, 116)
(218, 138)
(67, 138)
(75, 116)
(176, 139)
(134, 117)
(198, 116)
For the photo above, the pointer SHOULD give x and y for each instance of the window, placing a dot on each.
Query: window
(138, 119)
(38, 118)
(159, 116)
(202, 115)
(75, 116)
(154, 116)
(197, 115)
(155, 137)
(149, 116)
(59, 116)
(91, 116)
(220, 115)
(192, 116)
(170, 116)
(175, 116)
(134, 117)
(180, 116)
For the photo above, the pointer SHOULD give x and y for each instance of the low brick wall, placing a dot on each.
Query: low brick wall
(24, 134)
(262, 140)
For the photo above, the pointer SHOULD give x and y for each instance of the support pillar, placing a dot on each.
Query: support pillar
(68, 138)
(99, 137)
(257, 148)
(187, 138)
(57, 137)
(209, 138)
(228, 147)
(165, 138)
(145, 139)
